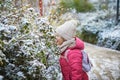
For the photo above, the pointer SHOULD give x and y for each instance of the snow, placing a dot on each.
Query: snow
(106, 63)
(36, 63)
(1, 77)
(20, 74)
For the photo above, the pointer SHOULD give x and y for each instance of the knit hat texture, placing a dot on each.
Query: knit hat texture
(67, 30)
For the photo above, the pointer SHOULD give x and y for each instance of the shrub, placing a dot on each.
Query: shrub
(79, 5)
(26, 46)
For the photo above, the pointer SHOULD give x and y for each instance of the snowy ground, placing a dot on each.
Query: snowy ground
(106, 63)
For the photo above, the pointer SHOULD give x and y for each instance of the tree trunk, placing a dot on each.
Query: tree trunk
(41, 7)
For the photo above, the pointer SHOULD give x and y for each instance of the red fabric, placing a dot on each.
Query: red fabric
(72, 69)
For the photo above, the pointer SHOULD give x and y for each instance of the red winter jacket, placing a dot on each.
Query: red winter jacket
(72, 68)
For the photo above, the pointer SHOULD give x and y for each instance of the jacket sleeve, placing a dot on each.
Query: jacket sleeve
(75, 62)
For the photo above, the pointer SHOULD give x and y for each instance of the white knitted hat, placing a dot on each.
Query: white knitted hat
(68, 29)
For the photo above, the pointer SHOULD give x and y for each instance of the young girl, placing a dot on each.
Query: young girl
(71, 66)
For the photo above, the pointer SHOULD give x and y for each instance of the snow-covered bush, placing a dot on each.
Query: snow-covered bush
(27, 48)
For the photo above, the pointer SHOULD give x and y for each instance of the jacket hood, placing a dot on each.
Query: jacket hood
(79, 44)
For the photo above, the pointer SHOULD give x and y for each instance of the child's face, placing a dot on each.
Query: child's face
(59, 40)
